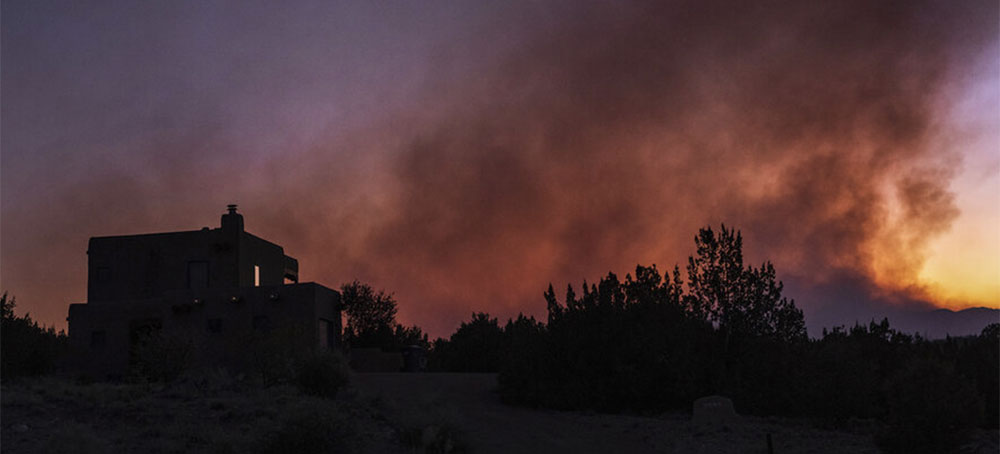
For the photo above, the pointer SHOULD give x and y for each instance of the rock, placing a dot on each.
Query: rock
(716, 411)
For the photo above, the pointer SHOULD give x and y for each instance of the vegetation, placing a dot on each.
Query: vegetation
(477, 346)
(929, 408)
(158, 357)
(371, 320)
(321, 374)
(654, 342)
(742, 300)
(310, 427)
(280, 356)
(275, 355)
(26, 348)
(210, 412)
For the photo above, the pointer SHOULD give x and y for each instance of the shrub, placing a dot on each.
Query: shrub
(273, 355)
(160, 357)
(309, 428)
(321, 374)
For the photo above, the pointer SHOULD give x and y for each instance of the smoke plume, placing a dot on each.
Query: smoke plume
(610, 138)
(609, 133)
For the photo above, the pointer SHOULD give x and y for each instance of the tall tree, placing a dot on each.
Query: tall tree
(741, 300)
(371, 316)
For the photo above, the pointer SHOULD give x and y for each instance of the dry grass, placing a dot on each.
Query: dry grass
(203, 414)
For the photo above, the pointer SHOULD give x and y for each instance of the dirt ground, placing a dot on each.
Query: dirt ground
(468, 405)
(48, 415)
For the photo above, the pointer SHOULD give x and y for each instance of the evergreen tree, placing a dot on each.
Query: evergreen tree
(741, 300)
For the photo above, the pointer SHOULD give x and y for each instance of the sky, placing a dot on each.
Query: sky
(464, 155)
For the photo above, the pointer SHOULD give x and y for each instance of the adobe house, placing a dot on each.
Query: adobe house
(212, 288)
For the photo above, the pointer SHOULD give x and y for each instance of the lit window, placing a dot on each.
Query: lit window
(256, 276)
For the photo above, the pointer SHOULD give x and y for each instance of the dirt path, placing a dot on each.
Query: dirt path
(468, 404)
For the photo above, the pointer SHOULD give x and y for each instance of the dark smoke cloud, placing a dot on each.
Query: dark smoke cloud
(612, 137)
(603, 136)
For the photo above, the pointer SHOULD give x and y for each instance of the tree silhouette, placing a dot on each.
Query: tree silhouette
(742, 301)
(477, 346)
(371, 319)
(27, 348)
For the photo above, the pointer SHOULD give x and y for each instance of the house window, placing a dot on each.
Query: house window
(197, 274)
(256, 276)
(98, 339)
(215, 325)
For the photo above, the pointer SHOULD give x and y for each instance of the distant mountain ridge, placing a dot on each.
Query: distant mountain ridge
(940, 323)
(929, 323)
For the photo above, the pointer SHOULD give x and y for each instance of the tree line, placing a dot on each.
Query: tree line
(652, 342)
(26, 348)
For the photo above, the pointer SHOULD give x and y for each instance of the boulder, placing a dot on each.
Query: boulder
(714, 411)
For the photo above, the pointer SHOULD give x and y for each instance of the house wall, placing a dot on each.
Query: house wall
(144, 266)
(196, 288)
(219, 325)
(127, 268)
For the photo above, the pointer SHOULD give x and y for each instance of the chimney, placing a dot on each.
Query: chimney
(232, 221)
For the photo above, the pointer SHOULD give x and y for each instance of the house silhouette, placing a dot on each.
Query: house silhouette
(211, 289)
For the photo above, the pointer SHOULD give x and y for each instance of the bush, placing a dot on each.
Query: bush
(321, 374)
(309, 428)
(273, 355)
(930, 409)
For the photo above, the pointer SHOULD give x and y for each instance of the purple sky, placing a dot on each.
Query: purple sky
(466, 154)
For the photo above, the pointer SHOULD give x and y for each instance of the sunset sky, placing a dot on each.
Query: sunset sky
(466, 154)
